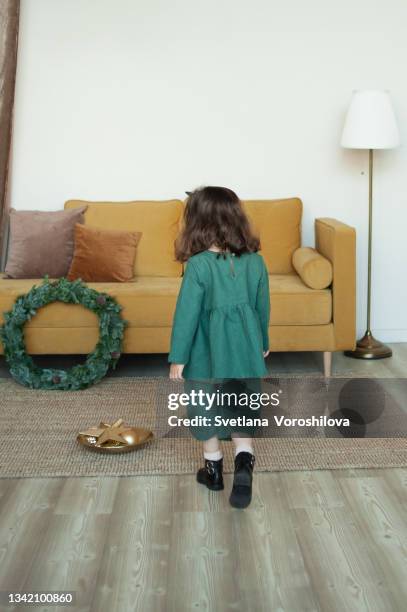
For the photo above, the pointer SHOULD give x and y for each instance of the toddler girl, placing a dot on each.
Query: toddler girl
(220, 328)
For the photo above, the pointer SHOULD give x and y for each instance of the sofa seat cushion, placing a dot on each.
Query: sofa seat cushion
(146, 302)
(293, 303)
(150, 302)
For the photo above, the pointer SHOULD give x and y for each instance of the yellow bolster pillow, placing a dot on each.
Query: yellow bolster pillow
(314, 269)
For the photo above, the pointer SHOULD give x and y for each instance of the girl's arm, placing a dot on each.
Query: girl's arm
(186, 316)
(263, 306)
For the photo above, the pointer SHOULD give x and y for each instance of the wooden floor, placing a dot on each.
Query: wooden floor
(327, 540)
(309, 541)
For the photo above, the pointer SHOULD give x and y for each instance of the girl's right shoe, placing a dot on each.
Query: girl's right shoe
(241, 494)
(211, 475)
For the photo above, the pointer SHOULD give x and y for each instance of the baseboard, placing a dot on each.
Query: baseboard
(389, 335)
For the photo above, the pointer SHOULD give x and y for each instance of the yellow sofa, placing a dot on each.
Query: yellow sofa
(302, 318)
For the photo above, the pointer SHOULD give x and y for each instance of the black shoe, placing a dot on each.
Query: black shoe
(241, 494)
(211, 475)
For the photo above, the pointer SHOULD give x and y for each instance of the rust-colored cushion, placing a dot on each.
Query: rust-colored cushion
(157, 220)
(41, 242)
(315, 269)
(103, 255)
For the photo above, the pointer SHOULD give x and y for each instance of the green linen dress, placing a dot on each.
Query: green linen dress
(220, 327)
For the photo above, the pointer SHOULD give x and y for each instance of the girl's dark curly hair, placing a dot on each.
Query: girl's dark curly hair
(214, 216)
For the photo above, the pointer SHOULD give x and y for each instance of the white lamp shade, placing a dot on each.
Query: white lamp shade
(370, 122)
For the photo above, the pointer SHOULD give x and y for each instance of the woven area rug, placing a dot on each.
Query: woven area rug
(38, 436)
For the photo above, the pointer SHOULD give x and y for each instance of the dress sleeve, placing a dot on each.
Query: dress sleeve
(263, 305)
(186, 318)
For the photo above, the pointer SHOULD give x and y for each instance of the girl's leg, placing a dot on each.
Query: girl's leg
(212, 449)
(242, 445)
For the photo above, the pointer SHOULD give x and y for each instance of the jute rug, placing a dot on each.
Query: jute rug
(38, 436)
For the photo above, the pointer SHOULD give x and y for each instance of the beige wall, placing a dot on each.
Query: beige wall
(121, 99)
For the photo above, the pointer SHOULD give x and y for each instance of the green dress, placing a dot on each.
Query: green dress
(221, 321)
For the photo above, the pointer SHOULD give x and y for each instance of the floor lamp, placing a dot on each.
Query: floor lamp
(370, 124)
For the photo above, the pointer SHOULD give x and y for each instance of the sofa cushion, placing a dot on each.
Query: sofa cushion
(158, 221)
(314, 269)
(41, 242)
(103, 255)
(278, 224)
(146, 301)
(293, 303)
(150, 302)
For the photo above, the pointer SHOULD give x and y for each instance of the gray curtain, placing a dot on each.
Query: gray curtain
(9, 14)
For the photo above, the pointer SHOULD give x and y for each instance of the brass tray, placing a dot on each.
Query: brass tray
(133, 438)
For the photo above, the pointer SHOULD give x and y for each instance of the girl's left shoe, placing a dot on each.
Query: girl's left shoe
(211, 475)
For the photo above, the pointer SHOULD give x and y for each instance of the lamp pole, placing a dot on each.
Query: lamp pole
(369, 257)
(368, 347)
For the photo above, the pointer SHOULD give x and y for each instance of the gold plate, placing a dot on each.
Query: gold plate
(134, 436)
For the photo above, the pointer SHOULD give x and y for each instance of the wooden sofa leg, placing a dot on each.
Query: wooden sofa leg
(327, 364)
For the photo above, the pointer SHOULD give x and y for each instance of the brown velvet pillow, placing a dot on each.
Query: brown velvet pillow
(103, 255)
(41, 242)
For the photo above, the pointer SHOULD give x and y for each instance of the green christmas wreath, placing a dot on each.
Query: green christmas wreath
(105, 354)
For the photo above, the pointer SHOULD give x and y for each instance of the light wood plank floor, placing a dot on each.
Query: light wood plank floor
(326, 541)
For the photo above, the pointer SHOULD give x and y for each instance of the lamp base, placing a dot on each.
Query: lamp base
(369, 348)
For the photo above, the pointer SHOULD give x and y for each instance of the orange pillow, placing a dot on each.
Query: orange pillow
(103, 255)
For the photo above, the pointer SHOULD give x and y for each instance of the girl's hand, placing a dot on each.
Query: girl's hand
(176, 371)
(266, 354)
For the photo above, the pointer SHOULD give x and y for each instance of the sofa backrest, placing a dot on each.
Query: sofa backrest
(278, 224)
(157, 220)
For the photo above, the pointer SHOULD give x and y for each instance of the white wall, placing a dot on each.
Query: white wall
(125, 99)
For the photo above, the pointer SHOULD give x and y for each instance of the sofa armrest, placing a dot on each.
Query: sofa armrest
(337, 242)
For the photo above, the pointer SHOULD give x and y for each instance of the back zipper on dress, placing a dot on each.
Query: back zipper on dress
(229, 255)
(232, 267)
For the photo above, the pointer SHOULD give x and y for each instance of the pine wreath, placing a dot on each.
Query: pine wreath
(105, 354)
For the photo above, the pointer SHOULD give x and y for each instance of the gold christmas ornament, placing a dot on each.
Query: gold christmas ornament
(116, 438)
